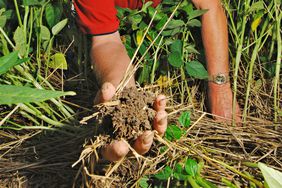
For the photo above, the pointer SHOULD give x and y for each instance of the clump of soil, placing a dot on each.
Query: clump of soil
(130, 114)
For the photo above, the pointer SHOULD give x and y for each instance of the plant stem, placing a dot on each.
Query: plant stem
(193, 182)
(278, 16)
(252, 63)
(237, 61)
(18, 13)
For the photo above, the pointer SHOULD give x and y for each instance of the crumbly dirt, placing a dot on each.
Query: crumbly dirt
(129, 114)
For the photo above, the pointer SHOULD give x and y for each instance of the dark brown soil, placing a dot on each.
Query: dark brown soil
(130, 114)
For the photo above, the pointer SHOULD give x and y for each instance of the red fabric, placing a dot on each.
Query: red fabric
(99, 16)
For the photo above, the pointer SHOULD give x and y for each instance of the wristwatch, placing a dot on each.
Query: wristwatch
(219, 79)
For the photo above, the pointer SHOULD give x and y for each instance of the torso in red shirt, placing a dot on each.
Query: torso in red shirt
(97, 17)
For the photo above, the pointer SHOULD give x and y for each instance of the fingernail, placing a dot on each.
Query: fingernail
(147, 138)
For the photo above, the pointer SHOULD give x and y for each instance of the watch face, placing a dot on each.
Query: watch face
(220, 79)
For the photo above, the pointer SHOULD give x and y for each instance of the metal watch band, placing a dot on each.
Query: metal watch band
(220, 78)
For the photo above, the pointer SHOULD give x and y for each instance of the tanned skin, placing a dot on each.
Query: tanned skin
(110, 60)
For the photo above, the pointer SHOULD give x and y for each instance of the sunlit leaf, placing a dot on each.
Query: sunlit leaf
(19, 38)
(9, 61)
(196, 13)
(143, 183)
(45, 33)
(191, 167)
(59, 26)
(10, 94)
(58, 61)
(173, 132)
(196, 70)
(272, 177)
(256, 23)
(139, 36)
(184, 119)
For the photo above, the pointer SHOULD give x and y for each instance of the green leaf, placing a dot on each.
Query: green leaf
(175, 23)
(191, 167)
(194, 23)
(196, 70)
(53, 13)
(196, 13)
(164, 174)
(9, 61)
(272, 177)
(257, 6)
(58, 61)
(59, 26)
(19, 38)
(3, 18)
(179, 173)
(176, 46)
(45, 33)
(175, 59)
(161, 23)
(33, 2)
(184, 119)
(10, 94)
(173, 132)
(143, 183)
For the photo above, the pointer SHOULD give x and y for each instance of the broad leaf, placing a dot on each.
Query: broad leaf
(175, 59)
(196, 13)
(164, 174)
(58, 61)
(176, 46)
(19, 38)
(194, 23)
(173, 132)
(33, 2)
(196, 69)
(272, 177)
(143, 183)
(59, 26)
(175, 23)
(191, 167)
(10, 94)
(53, 13)
(179, 172)
(9, 61)
(45, 33)
(184, 119)
(3, 18)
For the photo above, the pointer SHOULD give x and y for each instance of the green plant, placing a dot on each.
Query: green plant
(26, 46)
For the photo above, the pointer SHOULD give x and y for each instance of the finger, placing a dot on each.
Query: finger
(160, 103)
(160, 122)
(105, 94)
(143, 143)
(115, 151)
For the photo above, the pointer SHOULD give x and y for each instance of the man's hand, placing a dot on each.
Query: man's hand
(220, 103)
(118, 149)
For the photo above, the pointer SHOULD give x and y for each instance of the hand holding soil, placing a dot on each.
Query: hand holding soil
(132, 119)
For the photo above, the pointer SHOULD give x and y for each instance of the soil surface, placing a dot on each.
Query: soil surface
(129, 114)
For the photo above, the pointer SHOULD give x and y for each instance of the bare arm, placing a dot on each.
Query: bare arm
(110, 58)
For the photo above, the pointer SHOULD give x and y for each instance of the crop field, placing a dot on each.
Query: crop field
(51, 133)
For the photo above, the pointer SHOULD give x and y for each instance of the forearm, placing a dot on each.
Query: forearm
(215, 38)
(110, 59)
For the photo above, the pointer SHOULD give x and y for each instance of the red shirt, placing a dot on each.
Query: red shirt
(98, 17)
